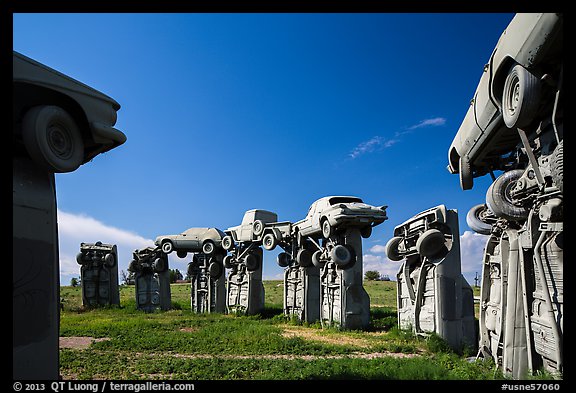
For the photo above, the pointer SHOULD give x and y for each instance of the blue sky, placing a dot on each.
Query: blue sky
(230, 112)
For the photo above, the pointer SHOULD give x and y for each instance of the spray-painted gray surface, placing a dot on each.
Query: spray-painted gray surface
(208, 283)
(326, 215)
(35, 273)
(58, 124)
(205, 240)
(432, 294)
(521, 309)
(63, 123)
(245, 291)
(99, 274)
(344, 302)
(152, 279)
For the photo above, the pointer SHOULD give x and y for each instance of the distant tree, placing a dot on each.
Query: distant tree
(372, 275)
(74, 282)
(124, 277)
(175, 275)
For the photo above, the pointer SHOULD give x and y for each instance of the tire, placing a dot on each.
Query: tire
(340, 255)
(208, 247)
(304, 258)
(258, 227)
(80, 258)
(110, 260)
(159, 265)
(520, 97)
(283, 259)
(227, 242)
(557, 166)
(327, 230)
(215, 270)
(269, 241)
(52, 138)
(430, 243)
(474, 219)
(181, 253)
(316, 261)
(228, 261)
(391, 249)
(167, 247)
(251, 262)
(366, 232)
(498, 198)
(465, 173)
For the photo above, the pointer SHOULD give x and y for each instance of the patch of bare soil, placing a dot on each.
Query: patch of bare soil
(79, 342)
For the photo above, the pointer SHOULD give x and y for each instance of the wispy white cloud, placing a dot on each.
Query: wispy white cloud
(377, 142)
(434, 122)
(74, 229)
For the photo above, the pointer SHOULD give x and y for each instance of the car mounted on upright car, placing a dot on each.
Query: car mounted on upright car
(519, 88)
(328, 214)
(58, 121)
(205, 240)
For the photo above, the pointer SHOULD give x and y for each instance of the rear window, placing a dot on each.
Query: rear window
(336, 200)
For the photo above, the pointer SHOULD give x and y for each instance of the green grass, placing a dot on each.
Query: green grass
(178, 344)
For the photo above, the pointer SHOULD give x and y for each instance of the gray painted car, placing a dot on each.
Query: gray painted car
(328, 214)
(516, 90)
(205, 240)
(515, 125)
(60, 122)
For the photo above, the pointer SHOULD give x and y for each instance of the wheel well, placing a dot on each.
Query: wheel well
(498, 79)
(27, 96)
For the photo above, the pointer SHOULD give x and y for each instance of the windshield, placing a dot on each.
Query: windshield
(336, 200)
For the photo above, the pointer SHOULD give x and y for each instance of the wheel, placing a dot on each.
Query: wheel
(181, 253)
(316, 261)
(391, 249)
(326, 229)
(304, 258)
(465, 173)
(52, 138)
(475, 219)
(251, 262)
(340, 255)
(557, 166)
(167, 247)
(366, 232)
(258, 227)
(498, 197)
(208, 247)
(430, 242)
(215, 270)
(80, 258)
(269, 241)
(159, 265)
(110, 260)
(227, 242)
(283, 259)
(520, 97)
(228, 259)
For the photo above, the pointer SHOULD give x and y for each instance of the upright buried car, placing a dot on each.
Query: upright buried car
(328, 214)
(58, 124)
(515, 125)
(61, 123)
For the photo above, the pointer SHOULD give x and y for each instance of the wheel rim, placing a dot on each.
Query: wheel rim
(167, 247)
(326, 229)
(60, 141)
(513, 96)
